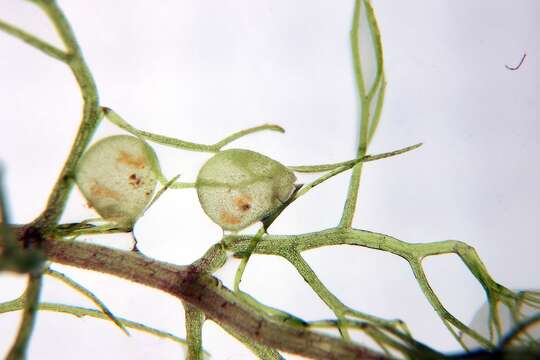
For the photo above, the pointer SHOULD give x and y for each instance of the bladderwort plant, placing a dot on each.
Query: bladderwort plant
(119, 176)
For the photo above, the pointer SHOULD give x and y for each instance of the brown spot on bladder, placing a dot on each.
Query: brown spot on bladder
(135, 181)
(228, 218)
(104, 192)
(243, 202)
(130, 160)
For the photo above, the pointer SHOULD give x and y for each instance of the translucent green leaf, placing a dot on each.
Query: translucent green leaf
(117, 176)
(237, 188)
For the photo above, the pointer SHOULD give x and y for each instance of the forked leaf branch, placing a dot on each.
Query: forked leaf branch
(263, 329)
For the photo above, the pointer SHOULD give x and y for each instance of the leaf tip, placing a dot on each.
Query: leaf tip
(277, 128)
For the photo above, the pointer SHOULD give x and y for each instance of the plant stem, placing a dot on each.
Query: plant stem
(368, 123)
(245, 259)
(78, 287)
(31, 303)
(335, 170)
(213, 260)
(237, 135)
(283, 245)
(78, 311)
(208, 295)
(7, 237)
(12, 256)
(183, 185)
(322, 291)
(420, 276)
(377, 111)
(34, 41)
(194, 324)
(350, 163)
(90, 117)
(182, 144)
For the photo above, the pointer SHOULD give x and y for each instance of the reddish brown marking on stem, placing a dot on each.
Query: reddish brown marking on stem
(229, 218)
(202, 291)
(243, 202)
(131, 160)
(104, 192)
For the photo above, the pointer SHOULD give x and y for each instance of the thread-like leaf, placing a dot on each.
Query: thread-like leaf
(90, 295)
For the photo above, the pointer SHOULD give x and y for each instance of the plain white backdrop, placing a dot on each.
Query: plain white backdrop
(201, 70)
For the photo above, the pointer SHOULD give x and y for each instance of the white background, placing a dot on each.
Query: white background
(199, 70)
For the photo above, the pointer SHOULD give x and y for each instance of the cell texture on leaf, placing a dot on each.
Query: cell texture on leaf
(237, 187)
(117, 177)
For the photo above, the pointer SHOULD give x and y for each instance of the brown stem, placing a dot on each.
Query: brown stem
(206, 293)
